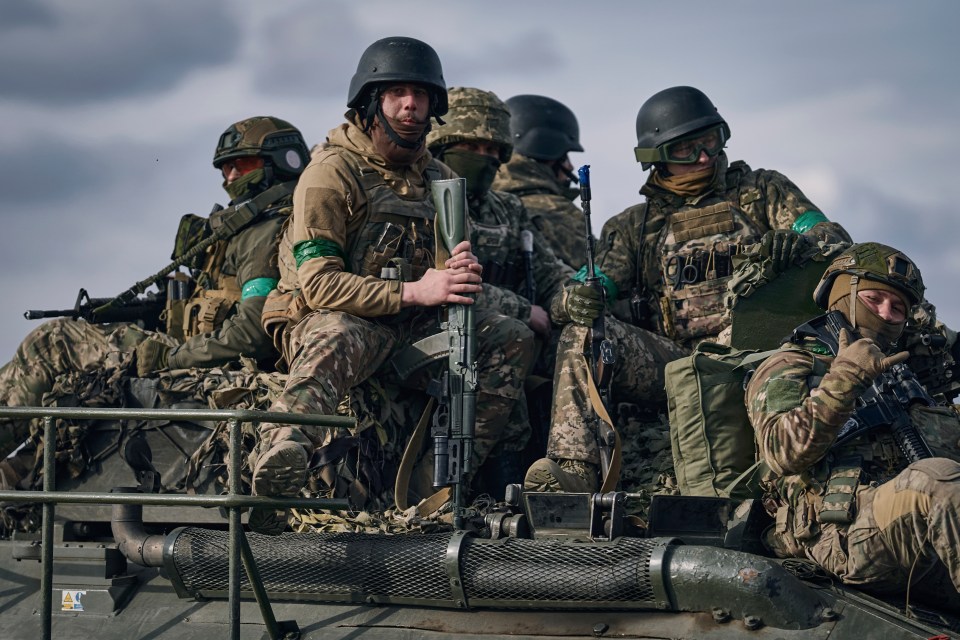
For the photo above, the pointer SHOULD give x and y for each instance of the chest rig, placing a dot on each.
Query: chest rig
(695, 249)
(396, 232)
(492, 240)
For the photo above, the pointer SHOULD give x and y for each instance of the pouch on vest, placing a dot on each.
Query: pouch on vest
(839, 504)
(710, 433)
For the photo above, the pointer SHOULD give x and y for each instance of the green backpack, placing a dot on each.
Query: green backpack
(710, 434)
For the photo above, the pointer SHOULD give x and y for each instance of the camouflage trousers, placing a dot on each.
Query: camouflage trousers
(56, 348)
(637, 378)
(906, 532)
(330, 352)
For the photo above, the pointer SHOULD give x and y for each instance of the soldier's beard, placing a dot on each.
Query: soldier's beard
(413, 133)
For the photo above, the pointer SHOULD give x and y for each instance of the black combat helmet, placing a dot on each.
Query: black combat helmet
(278, 142)
(671, 114)
(397, 60)
(542, 128)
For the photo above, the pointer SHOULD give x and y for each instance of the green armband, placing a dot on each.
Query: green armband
(317, 248)
(808, 221)
(612, 289)
(257, 287)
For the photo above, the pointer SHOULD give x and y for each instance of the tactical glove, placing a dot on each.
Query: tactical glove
(782, 246)
(864, 360)
(583, 304)
(151, 356)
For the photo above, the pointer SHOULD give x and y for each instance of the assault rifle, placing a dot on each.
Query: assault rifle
(602, 356)
(886, 403)
(455, 420)
(146, 309)
(229, 222)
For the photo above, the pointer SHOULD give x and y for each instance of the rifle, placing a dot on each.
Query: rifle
(146, 310)
(455, 420)
(602, 356)
(886, 402)
(526, 239)
(232, 220)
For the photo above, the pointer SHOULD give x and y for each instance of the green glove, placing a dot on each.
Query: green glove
(583, 304)
(782, 246)
(151, 356)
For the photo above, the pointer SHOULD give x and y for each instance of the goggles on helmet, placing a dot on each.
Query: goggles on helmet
(686, 150)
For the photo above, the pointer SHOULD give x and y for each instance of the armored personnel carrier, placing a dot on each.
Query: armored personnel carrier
(118, 552)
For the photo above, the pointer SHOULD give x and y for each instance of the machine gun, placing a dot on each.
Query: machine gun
(139, 309)
(455, 419)
(602, 356)
(886, 403)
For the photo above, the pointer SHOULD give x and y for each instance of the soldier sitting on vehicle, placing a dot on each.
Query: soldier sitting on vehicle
(664, 265)
(847, 476)
(260, 159)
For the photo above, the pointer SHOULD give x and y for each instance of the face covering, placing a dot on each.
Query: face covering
(865, 321)
(246, 186)
(479, 170)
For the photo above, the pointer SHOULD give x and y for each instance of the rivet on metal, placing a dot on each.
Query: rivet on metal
(720, 615)
(599, 629)
(829, 614)
(752, 623)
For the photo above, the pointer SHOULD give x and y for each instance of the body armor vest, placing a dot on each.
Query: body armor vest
(394, 229)
(695, 249)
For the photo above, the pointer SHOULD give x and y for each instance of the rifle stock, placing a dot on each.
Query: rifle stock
(455, 421)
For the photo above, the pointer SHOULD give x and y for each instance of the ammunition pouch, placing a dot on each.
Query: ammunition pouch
(839, 505)
(280, 311)
(207, 311)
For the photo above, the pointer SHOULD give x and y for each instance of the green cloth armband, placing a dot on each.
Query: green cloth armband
(808, 221)
(317, 248)
(612, 289)
(257, 287)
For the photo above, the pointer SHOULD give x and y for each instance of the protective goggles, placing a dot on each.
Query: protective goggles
(243, 165)
(686, 150)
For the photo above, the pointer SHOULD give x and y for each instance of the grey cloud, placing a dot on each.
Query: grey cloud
(24, 13)
(530, 52)
(62, 52)
(47, 170)
(309, 52)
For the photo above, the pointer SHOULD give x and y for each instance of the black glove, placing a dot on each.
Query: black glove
(782, 246)
(151, 356)
(583, 304)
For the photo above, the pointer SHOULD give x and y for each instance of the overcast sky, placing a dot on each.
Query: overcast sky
(111, 110)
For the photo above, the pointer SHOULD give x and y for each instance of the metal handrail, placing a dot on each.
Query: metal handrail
(234, 501)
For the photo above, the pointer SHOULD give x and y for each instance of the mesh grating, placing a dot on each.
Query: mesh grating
(338, 565)
(365, 567)
(556, 571)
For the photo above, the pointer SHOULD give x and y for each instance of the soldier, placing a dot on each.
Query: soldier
(858, 507)
(665, 265)
(544, 132)
(260, 159)
(474, 141)
(364, 201)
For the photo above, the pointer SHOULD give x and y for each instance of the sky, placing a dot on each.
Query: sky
(110, 110)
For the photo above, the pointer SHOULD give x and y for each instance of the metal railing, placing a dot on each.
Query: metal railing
(234, 502)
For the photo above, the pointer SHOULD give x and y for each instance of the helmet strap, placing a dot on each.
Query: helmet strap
(854, 281)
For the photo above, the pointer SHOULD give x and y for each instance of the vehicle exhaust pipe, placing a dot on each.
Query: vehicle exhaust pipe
(132, 538)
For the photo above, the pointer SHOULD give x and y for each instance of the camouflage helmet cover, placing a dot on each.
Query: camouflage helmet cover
(278, 142)
(398, 59)
(474, 114)
(543, 128)
(877, 262)
(671, 114)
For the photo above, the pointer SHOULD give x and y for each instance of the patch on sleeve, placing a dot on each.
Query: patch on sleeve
(784, 394)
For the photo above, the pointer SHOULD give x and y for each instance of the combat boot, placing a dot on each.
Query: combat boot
(569, 476)
(280, 471)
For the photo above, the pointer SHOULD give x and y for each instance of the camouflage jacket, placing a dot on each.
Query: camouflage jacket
(796, 419)
(249, 263)
(637, 246)
(496, 223)
(550, 210)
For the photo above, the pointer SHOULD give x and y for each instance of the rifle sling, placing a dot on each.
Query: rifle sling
(612, 476)
(410, 454)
